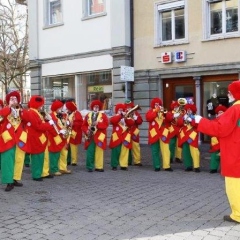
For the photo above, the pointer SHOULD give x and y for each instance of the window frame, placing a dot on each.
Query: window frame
(86, 11)
(47, 23)
(161, 7)
(207, 22)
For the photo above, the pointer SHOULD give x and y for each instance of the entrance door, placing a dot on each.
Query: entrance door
(177, 88)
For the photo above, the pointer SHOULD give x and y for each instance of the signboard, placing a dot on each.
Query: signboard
(95, 89)
(166, 57)
(127, 73)
(180, 56)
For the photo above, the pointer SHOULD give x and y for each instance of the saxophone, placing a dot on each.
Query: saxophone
(92, 127)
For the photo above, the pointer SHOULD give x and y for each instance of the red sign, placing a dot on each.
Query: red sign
(166, 57)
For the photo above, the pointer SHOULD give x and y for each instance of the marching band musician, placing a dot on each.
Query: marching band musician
(12, 136)
(58, 144)
(135, 152)
(214, 144)
(75, 122)
(174, 120)
(158, 136)
(37, 135)
(188, 140)
(94, 127)
(1, 118)
(120, 141)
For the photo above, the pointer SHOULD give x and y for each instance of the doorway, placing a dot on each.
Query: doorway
(178, 88)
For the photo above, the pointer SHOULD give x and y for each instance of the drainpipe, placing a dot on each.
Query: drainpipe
(131, 43)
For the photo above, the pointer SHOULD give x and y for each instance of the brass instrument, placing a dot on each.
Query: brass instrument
(131, 111)
(67, 127)
(182, 102)
(48, 117)
(92, 129)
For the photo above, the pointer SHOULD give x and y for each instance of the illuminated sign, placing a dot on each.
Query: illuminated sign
(166, 57)
(180, 56)
(96, 89)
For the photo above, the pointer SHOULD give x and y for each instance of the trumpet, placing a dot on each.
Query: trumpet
(182, 102)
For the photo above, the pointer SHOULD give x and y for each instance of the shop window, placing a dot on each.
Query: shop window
(171, 23)
(222, 18)
(53, 12)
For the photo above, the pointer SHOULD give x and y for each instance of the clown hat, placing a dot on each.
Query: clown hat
(96, 103)
(71, 106)
(36, 102)
(56, 105)
(154, 101)
(234, 88)
(220, 108)
(13, 94)
(120, 105)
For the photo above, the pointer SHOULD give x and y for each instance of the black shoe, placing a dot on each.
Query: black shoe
(26, 165)
(9, 187)
(138, 164)
(197, 170)
(124, 168)
(168, 169)
(188, 169)
(90, 170)
(74, 164)
(17, 184)
(129, 164)
(229, 219)
(38, 179)
(213, 171)
(178, 160)
(49, 176)
(157, 169)
(99, 170)
(114, 168)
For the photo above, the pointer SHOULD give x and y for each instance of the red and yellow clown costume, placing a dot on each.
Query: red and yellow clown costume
(227, 130)
(158, 135)
(188, 140)
(57, 143)
(75, 125)
(13, 140)
(174, 122)
(94, 127)
(37, 136)
(120, 141)
(214, 144)
(135, 152)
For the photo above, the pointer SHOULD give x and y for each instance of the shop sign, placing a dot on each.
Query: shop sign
(166, 57)
(180, 56)
(95, 89)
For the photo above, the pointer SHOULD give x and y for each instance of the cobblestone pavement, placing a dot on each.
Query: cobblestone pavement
(137, 204)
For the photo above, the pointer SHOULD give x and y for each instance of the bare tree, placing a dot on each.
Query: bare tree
(13, 44)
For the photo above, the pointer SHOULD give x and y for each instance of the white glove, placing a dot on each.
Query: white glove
(51, 122)
(185, 117)
(135, 117)
(175, 115)
(68, 123)
(197, 118)
(189, 119)
(63, 131)
(209, 115)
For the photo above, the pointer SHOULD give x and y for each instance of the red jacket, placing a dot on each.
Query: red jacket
(156, 129)
(37, 132)
(227, 130)
(56, 141)
(134, 130)
(76, 121)
(100, 134)
(121, 132)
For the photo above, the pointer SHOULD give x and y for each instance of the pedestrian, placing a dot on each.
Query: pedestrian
(227, 130)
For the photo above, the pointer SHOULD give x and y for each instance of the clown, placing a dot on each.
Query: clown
(227, 130)
(94, 127)
(158, 136)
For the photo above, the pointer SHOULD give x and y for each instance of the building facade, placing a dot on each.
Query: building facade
(185, 48)
(77, 49)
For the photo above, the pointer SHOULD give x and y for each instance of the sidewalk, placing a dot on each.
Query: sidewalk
(137, 204)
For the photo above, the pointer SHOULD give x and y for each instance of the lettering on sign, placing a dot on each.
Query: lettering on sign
(166, 57)
(127, 73)
(180, 56)
(96, 89)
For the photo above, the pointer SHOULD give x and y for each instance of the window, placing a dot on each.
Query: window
(94, 8)
(171, 23)
(53, 12)
(222, 18)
